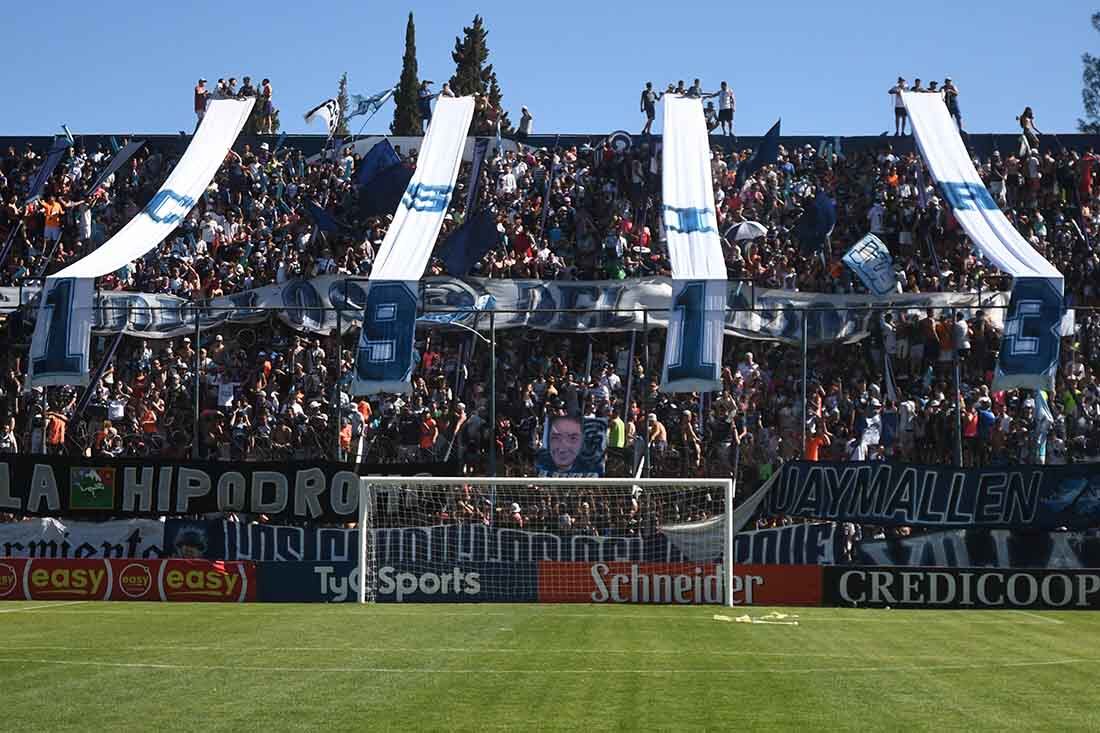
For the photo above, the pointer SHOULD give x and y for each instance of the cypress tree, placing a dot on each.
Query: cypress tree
(342, 98)
(473, 75)
(406, 116)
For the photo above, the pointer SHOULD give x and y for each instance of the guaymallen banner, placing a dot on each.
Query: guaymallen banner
(892, 494)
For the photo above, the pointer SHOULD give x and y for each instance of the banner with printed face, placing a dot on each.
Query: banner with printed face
(325, 491)
(185, 184)
(1025, 362)
(56, 538)
(573, 447)
(898, 494)
(694, 350)
(384, 362)
(984, 548)
(62, 337)
(322, 304)
(878, 587)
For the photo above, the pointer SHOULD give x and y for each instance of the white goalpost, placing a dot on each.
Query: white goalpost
(549, 540)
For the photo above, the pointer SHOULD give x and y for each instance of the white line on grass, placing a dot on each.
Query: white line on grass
(1048, 619)
(447, 650)
(45, 606)
(471, 671)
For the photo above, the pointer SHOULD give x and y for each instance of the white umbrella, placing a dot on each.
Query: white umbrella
(746, 230)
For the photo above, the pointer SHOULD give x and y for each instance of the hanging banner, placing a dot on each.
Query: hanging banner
(693, 353)
(98, 488)
(62, 337)
(185, 184)
(984, 548)
(1023, 363)
(384, 362)
(871, 261)
(897, 494)
(819, 543)
(53, 157)
(57, 538)
(603, 306)
(575, 447)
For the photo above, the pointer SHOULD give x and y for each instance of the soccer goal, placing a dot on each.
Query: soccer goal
(545, 540)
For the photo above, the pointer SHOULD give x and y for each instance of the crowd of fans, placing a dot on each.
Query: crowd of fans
(269, 392)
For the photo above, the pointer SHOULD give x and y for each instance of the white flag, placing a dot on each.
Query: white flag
(329, 112)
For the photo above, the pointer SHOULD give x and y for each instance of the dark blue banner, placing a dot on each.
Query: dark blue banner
(984, 548)
(893, 494)
(38, 185)
(338, 582)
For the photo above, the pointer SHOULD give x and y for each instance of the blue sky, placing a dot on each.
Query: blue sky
(823, 67)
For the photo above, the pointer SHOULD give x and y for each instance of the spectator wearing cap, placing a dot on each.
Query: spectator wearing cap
(901, 115)
(951, 99)
(202, 96)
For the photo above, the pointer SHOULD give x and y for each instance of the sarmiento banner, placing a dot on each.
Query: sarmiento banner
(1016, 497)
(324, 491)
(878, 587)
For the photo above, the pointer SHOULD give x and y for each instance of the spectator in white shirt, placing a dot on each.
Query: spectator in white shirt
(901, 115)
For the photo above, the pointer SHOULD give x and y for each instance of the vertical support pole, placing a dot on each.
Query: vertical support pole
(805, 377)
(336, 385)
(492, 394)
(198, 400)
(958, 414)
(727, 549)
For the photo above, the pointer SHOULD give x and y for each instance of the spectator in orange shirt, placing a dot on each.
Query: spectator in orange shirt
(52, 209)
(55, 432)
(816, 442)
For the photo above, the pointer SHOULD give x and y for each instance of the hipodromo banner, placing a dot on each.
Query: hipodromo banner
(95, 488)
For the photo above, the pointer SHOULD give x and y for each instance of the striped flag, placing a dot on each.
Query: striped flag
(327, 111)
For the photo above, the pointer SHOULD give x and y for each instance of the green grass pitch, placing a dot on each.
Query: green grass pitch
(184, 667)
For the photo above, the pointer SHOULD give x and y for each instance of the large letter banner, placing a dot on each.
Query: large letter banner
(182, 189)
(693, 354)
(994, 236)
(899, 494)
(384, 362)
(984, 548)
(63, 332)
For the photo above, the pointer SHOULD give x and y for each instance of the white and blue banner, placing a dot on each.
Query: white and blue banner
(693, 356)
(1031, 359)
(384, 362)
(322, 304)
(63, 332)
(870, 259)
(175, 199)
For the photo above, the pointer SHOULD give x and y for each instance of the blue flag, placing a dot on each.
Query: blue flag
(57, 150)
(321, 218)
(377, 159)
(817, 224)
(766, 154)
(469, 242)
(384, 192)
(361, 105)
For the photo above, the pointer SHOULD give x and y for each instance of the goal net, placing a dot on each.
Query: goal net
(550, 540)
